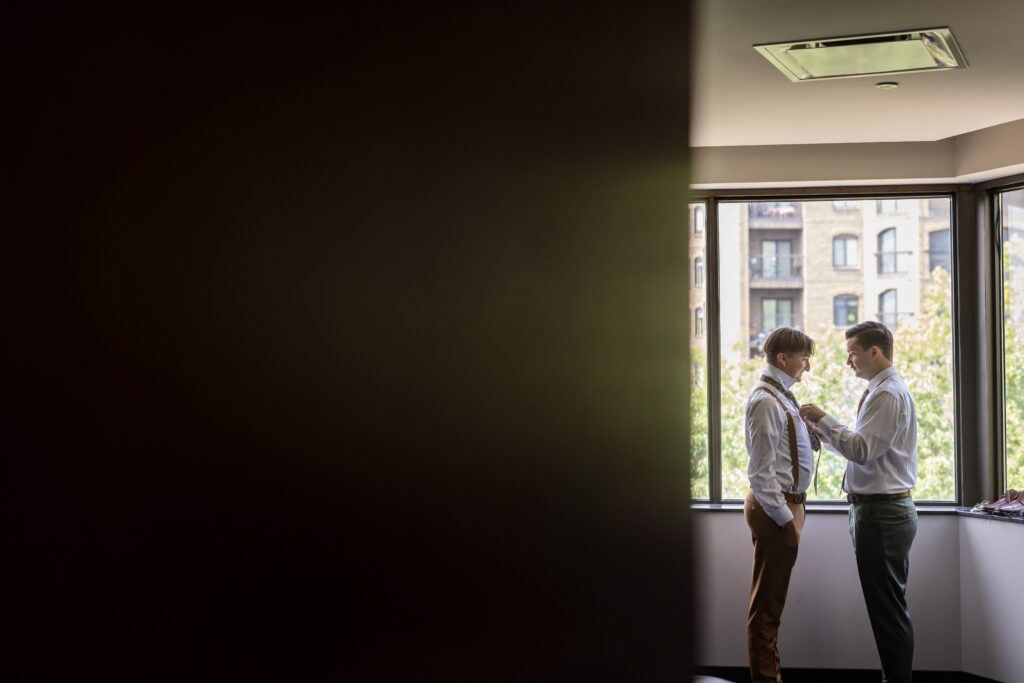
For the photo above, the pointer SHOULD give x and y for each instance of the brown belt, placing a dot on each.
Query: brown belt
(872, 497)
(795, 498)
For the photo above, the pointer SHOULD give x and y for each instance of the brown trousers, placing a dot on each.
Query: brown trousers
(774, 556)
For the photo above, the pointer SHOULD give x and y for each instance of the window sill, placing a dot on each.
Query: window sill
(840, 507)
(966, 512)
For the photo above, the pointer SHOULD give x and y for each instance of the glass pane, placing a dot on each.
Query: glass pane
(825, 298)
(852, 256)
(1012, 215)
(698, 359)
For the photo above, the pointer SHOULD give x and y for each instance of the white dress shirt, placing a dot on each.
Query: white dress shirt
(770, 469)
(882, 448)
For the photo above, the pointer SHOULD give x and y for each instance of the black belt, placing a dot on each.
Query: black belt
(795, 498)
(872, 497)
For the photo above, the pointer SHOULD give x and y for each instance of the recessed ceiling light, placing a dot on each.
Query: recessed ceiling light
(887, 85)
(932, 49)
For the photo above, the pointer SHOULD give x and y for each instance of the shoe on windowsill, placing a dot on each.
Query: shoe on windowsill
(1007, 498)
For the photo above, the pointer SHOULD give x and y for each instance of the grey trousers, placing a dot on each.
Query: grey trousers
(882, 533)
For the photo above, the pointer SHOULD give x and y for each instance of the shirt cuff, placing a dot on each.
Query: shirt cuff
(829, 422)
(779, 515)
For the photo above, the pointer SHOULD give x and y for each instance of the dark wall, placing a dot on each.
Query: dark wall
(347, 344)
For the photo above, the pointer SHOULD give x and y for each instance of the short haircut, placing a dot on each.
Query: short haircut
(871, 333)
(787, 340)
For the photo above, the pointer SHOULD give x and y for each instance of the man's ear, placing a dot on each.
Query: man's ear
(780, 360)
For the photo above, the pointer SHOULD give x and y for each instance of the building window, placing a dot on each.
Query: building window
(698, 322)
(889, 260)
(845, 205)
(845, 251)
(888, 311)
(776, 313)
(698, 272)
(845, 311)
(938, 250)
(887, 205)
(698, 219)
(776, 259)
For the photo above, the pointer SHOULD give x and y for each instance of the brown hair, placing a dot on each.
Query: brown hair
(871, 333)
(787, 340)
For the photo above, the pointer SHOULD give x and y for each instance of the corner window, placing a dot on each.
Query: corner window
(775, 268)
(699, 449)
(1011, 220)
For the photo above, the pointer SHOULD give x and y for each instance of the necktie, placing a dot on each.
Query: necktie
(860, 404)
(863, 397)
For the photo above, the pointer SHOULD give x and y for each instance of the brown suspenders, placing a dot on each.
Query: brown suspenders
(791, 428)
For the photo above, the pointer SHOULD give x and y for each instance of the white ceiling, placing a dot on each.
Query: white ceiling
(741, 99)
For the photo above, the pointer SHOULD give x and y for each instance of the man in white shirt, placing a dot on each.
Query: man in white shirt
(780, 445)
(882, 468)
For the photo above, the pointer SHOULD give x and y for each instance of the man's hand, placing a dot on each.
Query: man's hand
(811, 412)
(822, 436)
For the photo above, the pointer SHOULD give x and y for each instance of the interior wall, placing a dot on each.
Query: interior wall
(991, 558)
(825, 624)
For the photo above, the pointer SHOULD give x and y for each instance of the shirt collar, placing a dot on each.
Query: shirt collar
(779, 376)
(881, 377)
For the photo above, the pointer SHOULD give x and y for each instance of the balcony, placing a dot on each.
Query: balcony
(774, 215)
(776, 272)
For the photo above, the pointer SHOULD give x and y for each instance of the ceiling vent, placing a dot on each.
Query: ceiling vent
(929, 49)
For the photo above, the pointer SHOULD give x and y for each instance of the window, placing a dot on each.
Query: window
(845, 311)
(938, 250)
(887, 206)
(887, 308)
(1011, 217)
(699, 462)
(845, 251)
(755, 247)
(845, 205)
(890, 260)
(776, 313)
(776, 259)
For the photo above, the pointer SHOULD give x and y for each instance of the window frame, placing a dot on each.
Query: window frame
(964, 216)
(989, 206)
